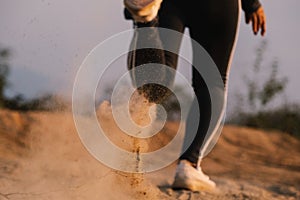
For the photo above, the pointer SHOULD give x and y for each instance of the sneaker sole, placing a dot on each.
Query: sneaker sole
(192, 185)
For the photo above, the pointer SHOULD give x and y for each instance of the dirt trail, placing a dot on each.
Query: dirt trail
(41, 157)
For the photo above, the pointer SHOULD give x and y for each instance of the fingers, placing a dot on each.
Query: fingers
(263, 24)
(143, 13)
(254, 20)
(258, 20)
(142, 16)
(263, 28)
(258, 24)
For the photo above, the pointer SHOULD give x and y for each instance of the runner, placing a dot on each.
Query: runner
(214, 25)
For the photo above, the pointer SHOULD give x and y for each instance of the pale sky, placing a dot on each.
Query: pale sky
(50, 39)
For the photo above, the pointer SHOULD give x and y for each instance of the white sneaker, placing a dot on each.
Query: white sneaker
(190, 178)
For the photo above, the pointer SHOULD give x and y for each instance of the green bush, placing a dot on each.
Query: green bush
(4, 71)
(285, 119)
(47, 102)
(255, 113)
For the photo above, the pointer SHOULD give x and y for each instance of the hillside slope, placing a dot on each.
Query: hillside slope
(41, 157)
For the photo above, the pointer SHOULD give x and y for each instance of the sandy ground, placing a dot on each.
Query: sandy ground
(42, 157)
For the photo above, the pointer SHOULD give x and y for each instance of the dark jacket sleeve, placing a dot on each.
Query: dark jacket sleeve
(250, 6)
(127, 14)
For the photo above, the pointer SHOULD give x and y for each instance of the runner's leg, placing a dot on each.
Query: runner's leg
(214, 27)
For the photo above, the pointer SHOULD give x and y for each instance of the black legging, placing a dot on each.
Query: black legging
(213, 25)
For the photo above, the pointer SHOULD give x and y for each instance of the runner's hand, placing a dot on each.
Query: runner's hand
(143, 11)
(258, 20)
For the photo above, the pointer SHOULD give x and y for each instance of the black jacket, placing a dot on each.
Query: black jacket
(250, 6)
